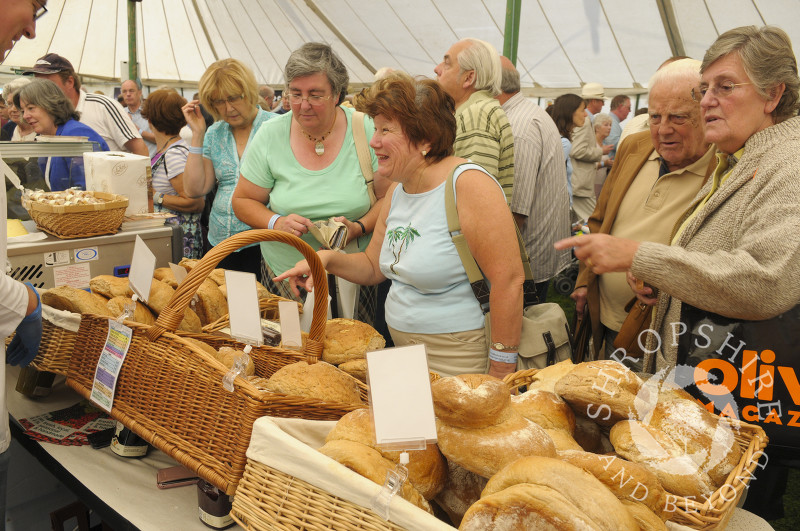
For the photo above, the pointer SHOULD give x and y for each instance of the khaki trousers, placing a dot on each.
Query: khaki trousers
(450, 354)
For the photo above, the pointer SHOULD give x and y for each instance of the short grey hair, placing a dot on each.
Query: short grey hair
(767, 59)
(483, 59)
(14, 86)
(600, 119)
(47, 95)
(510, 81)
(681, 71)
(317, 57)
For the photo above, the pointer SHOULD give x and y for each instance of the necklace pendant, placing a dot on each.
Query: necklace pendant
(319, 148)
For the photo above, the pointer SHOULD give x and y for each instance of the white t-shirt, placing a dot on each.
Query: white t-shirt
(108, 118)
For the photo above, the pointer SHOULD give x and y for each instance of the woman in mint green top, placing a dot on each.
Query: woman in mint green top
(302, 166)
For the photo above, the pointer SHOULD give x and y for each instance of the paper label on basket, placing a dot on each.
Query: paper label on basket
(143, 263)
(401, 402)
(243, 307)
(290, 324)
(179, 272)
(108, 366)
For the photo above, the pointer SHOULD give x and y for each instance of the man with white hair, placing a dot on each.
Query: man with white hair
(655, 176)
(470, 74)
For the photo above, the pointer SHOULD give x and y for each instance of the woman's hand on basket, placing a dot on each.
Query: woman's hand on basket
(299, 275)
(294, 224)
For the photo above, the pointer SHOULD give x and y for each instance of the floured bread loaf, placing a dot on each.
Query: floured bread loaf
(348, 339)
(356, 368)
(369, 463)
(545, 379)
(73, 300)
(644, 517)
(479, 429)
(652, 448)
(545, 493)
(427, 469)
(320, 380)
(110, 286)
(546, 409)
(602, 390)
(563, 440)
(461, 490)
(141, 314)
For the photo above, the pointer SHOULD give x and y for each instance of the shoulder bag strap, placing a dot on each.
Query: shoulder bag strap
(476, 278)
(362, 150)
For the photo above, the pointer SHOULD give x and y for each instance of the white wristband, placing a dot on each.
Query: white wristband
(503, 357)
(196, 150)
(272, 221)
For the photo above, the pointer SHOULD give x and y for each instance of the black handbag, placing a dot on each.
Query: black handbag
(581, 337)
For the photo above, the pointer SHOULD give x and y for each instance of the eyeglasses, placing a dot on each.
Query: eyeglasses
(313, 100)
(723, 90)
(38, 12)
(674, 119)
(230, 99)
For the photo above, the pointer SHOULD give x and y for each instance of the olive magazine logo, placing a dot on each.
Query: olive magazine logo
(399, 239)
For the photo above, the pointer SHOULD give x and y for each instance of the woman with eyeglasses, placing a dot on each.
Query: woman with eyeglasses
(303, 166)
(736, 250)
(228, 89)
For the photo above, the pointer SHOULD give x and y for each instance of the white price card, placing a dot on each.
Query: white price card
(108, 366)
(143, 264)
(290, 325)
(243, 307)
(401, 401)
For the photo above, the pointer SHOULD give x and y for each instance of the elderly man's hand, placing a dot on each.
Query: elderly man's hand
(601, 253)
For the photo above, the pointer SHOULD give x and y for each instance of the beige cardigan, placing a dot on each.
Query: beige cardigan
(740, 256)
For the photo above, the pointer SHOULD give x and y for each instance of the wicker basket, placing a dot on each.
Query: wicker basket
(170, 392)
(80, 221)
(715, 512)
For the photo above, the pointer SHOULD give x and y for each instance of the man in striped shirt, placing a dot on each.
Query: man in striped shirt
(540, 202)
(470, 74)
(101, 113)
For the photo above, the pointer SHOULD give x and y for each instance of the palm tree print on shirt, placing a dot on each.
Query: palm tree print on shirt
(402, 236)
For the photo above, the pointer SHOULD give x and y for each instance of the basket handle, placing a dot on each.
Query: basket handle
(171, 316)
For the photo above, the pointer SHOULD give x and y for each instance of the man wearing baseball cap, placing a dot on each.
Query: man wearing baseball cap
(101, 113)
(586, 153)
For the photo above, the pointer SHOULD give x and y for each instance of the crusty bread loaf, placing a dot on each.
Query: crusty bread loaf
(646, 519)
(652, 448)
(427, 469)
(205, 347)
(546, 409)
(110, 286)
(320, 380)
(165, 275)
(217, 276)
(588, 435)
(563, 440)
(101, 298)
(348, 339)
(211, 303)
(141, 314)
(73, 300)
(602, 390)
(545, 379)
(369, 463)
(627, 480)
(228, 355)
(543, 493)
(158, 299)
(470, 400)
(356, 368)
(188, 263)
(461, 489)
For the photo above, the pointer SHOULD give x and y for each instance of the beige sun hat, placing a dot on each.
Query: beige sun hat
(593, 91)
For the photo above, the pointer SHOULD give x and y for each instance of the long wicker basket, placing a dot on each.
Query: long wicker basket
(715, 512)
(170, 392)
(80, 221)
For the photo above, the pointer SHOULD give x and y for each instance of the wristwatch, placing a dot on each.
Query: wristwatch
(501, 346)
(159, 198)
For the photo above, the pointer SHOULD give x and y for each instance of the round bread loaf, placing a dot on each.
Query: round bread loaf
(470, 400)
(602, 390)
(369, 463)
(73, 300)
(427, 469)
(627, 480)
(228, 355)
(347, 339)
(652, 448)
(165, 274)
(205, 347)
(141, 314)
(644, 517)
(211, 303)
(321, 381)
(110, 286)
(356, 368)
(546, 409)
(552, 492)
(461, 490)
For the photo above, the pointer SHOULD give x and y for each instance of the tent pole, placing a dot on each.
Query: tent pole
(133, 66)
(511, 34)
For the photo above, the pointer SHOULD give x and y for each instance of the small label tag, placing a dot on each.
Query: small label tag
(108, 366)
(290, 324)
(179, 272)
(143, 264)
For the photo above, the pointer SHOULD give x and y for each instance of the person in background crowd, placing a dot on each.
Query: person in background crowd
(131, 92)
(470, 74)
(303, 166)
(285, 106)
(568, 113)
(415, 128)
(267, 93)
(620, 109)
(654, 179)
(5, 130)
(602, 128)
(101, 113)
(228, 89)
(540, 202)
(20, 308)
(21, 130)
(163, 111)
(585, 154)
(49, 112)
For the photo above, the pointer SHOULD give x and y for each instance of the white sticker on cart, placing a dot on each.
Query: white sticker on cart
(75, 275)
(56, 258)
(87, 254)
(108, 366)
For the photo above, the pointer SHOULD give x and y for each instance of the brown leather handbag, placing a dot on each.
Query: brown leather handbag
(637, 321)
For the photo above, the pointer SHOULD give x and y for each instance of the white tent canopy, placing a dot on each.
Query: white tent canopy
(562, 43)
